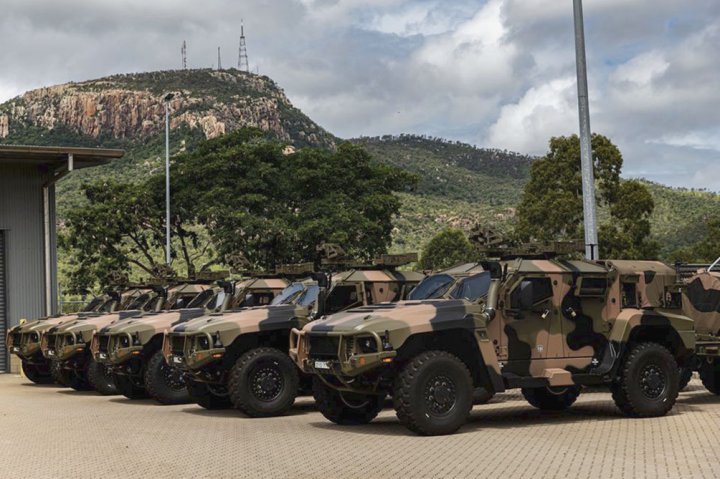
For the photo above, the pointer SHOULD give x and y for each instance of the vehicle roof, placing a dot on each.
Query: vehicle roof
(464, 269)
(627, 267)
(262, 283)
(558, 266)
(376, 275)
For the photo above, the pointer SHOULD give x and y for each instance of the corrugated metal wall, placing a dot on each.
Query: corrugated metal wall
(3, 316)
(21, 218)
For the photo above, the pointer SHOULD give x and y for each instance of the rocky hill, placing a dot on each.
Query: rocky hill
(460, 184)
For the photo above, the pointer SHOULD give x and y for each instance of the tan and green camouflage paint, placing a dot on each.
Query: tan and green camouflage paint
(372, 285)
(564, 334)
(701, 301)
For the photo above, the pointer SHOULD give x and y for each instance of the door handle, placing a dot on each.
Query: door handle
(571, 312)
(545, 314)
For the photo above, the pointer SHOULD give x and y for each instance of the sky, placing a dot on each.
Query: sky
(495, 73)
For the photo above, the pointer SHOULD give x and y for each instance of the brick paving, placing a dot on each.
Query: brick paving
(50, 432)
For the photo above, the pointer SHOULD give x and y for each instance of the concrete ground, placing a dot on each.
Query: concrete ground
(49, 432)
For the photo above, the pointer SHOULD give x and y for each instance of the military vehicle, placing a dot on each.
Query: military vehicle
(69, 343)
(24, 340)
(701, 301)
(132, 349)
(546, 325)
(240, 358)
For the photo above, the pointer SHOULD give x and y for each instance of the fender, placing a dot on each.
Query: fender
(630, 319)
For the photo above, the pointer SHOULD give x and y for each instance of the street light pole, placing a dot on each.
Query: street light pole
(167, 99)
(588, 177)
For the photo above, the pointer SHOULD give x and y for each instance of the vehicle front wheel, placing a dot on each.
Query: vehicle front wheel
(648, 381)
(345, 408)
(686, 374)
(74, 378)
(433, 394)
(710, 376)
(36, 373)
(208, 396)
(128, 387)
(551, 398)
(55, 371)
(166, 384)
(263, 382)
(101, 379)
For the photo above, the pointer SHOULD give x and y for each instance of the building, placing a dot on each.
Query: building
(28, 260)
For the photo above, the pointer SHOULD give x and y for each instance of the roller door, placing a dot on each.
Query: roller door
(3, 306)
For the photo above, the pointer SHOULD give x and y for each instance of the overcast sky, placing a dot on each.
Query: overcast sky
(496, 73)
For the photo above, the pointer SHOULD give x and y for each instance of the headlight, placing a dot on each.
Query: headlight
(216, 341)
(69, 340)
(136, 340)
(203, 343)
(366, 345)
(34, 337)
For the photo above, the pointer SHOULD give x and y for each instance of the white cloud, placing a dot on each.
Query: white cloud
(698, 140)
(642, 69)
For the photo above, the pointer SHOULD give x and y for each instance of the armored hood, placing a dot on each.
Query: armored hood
(246, 320)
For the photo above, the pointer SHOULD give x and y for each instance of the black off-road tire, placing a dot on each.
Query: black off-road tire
(165, 383)
(36, 374)
(647, 382)
(433, 394)
(77, 380)
(710, 376)
(101, 379)
(686, 375)
(55, 372)
(127, 387)
(201, 394)
(346, 409)
(263, 382)
(551, 398)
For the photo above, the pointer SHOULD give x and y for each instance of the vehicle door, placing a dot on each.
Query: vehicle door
(344, 296)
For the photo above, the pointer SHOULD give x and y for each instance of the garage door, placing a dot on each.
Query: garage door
(3, 306)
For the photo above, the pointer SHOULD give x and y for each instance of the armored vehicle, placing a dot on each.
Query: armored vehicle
(132, 349)
(69, 343)
(701, 301)
(546, 325)
(24, 340)
(240, 358)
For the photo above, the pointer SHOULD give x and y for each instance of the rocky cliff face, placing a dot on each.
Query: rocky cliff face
(130, 107)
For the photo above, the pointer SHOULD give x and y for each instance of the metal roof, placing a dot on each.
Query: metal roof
(51, 155)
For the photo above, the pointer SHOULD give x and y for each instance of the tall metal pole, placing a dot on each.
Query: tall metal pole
(168, 97)
(588, 177)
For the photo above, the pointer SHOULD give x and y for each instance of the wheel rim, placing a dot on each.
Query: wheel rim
(652, 381)
(440, 395)
(173, 377)
(267, 382)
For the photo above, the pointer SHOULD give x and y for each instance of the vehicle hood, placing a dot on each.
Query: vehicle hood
(92, 323)
(245, 321)
(418, 316)
(42, 325)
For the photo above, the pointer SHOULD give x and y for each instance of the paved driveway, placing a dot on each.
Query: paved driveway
(57, 433)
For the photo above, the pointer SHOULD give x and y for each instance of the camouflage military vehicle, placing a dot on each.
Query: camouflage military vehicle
(24, 340)
(69, 343)
(132, 348)
(240, 358)
(547, 326)
(701, 301)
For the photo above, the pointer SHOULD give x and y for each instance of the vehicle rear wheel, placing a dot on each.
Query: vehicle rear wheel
(685, 377)
(710, 376)
(647, 383)
(128, 387)
(36, 374)
(263, 382)
(166, 384)
(344, 408)
(433, 394)
(101, 379)
(209, 397)
(551, 398)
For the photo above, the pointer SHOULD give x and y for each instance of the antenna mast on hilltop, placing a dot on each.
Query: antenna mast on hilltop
(219, 62)
(243, 64)
(183, 52)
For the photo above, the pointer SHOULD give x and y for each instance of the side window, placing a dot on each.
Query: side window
(341, 297)
(629, 295)
(530, 292)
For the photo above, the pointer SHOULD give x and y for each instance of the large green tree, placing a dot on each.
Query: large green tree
(707, 249)
(551, 206)
(447, 248)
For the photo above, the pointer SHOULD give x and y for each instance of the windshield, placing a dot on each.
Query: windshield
(288, 294)
(93, 305)
(138, 302)
(432, 287)
(201, 299)
(472, 288)
(309, 296)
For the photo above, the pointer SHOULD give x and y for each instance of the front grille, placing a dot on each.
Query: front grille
(177, 345)
(50, 340)
(323, 347)
(103, 342)
(17, 339)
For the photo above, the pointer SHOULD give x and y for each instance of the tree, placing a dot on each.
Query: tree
(447, 248)
(551, 206)
(707, 249)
